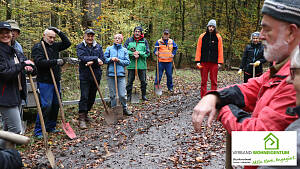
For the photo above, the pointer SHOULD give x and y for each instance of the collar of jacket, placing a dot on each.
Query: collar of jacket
(117, 45)
(85, 44)
(276, 68)
(138, 39)
(6, 48)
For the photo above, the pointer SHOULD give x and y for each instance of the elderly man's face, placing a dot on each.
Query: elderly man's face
(273, 35)
(5, 36)
(49, 37)
(255, 39)
(211, 28)
(89, 39)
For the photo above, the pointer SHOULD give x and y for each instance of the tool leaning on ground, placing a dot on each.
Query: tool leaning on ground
(157, 87)
(49, 153)
(118, 109)
(253, 69)
(66, 126)
(135, 96)
(109, 116)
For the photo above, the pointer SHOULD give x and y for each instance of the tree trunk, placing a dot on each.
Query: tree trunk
(8, 9)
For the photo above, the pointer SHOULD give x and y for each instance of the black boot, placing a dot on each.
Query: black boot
(144, 95)
(127, 112)
(81, 119)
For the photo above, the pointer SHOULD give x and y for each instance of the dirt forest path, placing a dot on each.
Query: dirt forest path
(159, 135)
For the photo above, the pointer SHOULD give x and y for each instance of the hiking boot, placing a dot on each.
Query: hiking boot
(86, 118)
(82, 124)
(127, 112)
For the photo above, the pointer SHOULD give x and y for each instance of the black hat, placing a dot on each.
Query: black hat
(139, 28)
(89, 31)
(5, 25)
(166, 31)
(284, 10)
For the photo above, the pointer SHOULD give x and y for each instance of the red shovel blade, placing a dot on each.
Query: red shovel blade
(68, 130)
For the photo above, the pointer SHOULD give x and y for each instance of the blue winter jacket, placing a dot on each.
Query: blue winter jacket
(116, 50)
(86, 54)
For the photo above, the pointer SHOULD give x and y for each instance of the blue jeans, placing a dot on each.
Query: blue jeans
(167, 66)
(121, 91)
(50, 106)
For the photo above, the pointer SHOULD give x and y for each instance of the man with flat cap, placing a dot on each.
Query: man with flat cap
(90, 53)
(15, 34)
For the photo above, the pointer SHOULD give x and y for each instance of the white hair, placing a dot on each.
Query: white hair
(47, 31)
(295, 58)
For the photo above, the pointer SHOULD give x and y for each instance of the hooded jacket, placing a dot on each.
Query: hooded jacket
(10, 95)
(43, 65)
(118, 51)
(140, 45)
(252, 53)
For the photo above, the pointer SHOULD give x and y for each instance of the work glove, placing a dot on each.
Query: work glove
(60, 62)
(54, 29)
(240, 72)
(257, 63)
(199, 66)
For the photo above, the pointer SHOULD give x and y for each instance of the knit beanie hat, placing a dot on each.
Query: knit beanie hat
(212, 22)
(284, 10)
(139, 28)
(254, 34)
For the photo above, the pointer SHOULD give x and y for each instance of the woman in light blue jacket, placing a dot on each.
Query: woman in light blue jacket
(118, 54)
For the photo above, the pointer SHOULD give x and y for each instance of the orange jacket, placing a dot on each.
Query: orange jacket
(165, 51)
(220, 48)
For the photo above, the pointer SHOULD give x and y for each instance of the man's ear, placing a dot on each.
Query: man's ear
(293, 32)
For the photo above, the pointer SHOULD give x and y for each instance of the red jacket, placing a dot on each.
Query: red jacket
(267, 98)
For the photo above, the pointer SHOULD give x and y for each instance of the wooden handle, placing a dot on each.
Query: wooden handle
(14, 138)
(116, 81)
(101, 96)
(55, 87)
(157, 68)
(37, 101)
(136, 67)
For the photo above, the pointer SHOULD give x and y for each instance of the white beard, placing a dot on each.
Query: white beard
(276, 52)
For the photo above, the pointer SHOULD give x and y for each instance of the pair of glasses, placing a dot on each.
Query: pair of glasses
(292, 72)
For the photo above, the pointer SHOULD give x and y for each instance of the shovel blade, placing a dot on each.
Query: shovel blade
(158, 90)
(51, 158)
(68, 130)
(113, 115)
(135, 98)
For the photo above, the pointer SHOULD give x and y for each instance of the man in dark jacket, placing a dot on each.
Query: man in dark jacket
(209, 56)
(254, 53)
(90, 53)
(138, 50)
(13, 65)
(49, 101)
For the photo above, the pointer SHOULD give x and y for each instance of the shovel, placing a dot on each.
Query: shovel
(253, 70)
(135, 96)
(157, 88)
(118, 109)
(109, 116)
(66, 126)
(49, 153)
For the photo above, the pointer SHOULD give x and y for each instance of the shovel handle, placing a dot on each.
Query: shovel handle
(174, 66)
(136, 72)
(37, 101)
(116, 81)
(157, 68)
(55, 87)
(253, 69)
(101, 96)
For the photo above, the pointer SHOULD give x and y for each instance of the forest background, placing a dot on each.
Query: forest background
(186, 20)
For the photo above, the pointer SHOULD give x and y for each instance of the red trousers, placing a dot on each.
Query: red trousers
(212, 68)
